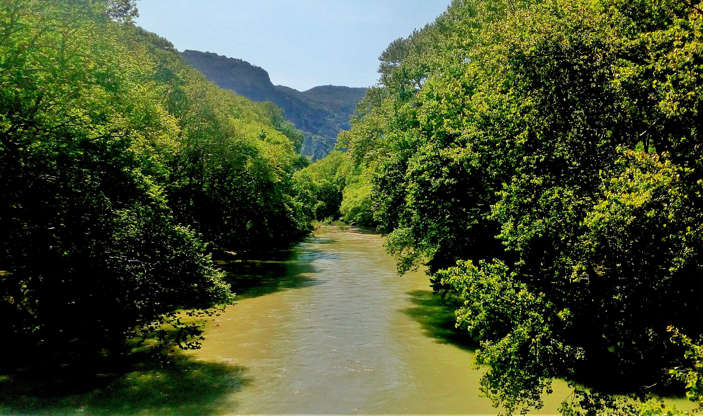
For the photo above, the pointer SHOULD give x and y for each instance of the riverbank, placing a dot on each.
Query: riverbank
(340, 332)
(325, 327)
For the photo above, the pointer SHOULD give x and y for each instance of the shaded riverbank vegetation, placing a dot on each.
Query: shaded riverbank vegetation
(122, 170)
(543, 160)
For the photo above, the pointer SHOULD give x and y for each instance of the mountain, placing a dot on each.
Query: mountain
(321, 112)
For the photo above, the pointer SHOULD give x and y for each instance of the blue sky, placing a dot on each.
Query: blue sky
(301, 43)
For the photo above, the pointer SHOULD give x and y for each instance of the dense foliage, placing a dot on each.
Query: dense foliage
(543, 160)
(118, 163)
(319, 186)
(320, 113)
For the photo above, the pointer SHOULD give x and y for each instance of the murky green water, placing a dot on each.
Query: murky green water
(328, 327)
(341, 332)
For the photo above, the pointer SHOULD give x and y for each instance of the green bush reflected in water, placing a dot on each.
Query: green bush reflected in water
(266, 274)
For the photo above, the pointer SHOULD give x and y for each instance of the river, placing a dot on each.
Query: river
(334, 329)
(327, 327)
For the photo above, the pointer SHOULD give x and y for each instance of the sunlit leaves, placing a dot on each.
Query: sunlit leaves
(118, 163)
(563, 139)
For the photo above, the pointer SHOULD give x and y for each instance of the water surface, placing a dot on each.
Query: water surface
(334, 329)
(327, 327)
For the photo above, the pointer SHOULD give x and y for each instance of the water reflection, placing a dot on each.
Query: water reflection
(267, 273)
(254, 278)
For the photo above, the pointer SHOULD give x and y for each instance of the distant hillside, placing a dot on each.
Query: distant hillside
(321, 112)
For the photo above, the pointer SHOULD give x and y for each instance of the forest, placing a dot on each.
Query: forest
(123, 172)
(541, 159)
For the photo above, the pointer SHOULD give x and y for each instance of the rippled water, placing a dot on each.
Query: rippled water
(333, 329)
(327, 327)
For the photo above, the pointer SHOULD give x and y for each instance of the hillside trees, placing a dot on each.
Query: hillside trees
(320, 113)
(551, 149)
(116, 161)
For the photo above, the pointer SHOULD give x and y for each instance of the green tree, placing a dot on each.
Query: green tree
(118, 162)
(320, 185)
(551, 148)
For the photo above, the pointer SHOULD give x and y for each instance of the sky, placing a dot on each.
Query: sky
(301, 43)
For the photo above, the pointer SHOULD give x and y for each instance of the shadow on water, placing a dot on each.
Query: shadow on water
(273, 272)
(184, 387)
(437, 319)
(143, 387)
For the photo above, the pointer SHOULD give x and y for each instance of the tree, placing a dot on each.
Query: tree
(118, 165)
(122, 10)
(550, 148)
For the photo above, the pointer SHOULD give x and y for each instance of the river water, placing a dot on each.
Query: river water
(333, 329)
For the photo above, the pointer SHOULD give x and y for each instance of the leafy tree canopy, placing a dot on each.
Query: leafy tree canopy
(542, 160)
(121, 169)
